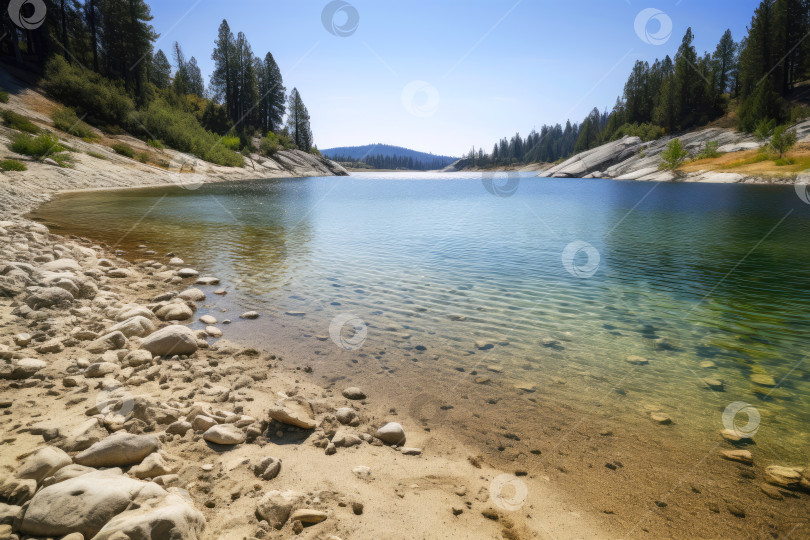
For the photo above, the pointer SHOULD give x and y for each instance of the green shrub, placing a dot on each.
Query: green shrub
(88, 92)
(764, 129)
(96, 155)
(286, 141)
(143, 157)
(19, 122)
(152, 143)
(231, 142)
(782, 141)
(3, 96)
(781, 162)
(314, 151)
(67, 121)
(180, 130)
(269, 144)
(799, 113)
(674, 155)
(41, 147)
(646, 132)
(123, 149)
(709, 150)
(12, 165)
(37, 147)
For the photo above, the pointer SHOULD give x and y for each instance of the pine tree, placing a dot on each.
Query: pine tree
(298, 126)
(223, 78)
(272, 94)
(196, 85)
(724, 57)
(160, 71)
(181, 83)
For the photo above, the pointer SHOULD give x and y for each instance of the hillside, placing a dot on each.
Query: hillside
(94, 164)
(389, 157)
(740, 159)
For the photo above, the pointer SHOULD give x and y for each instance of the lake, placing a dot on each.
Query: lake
(544, 286)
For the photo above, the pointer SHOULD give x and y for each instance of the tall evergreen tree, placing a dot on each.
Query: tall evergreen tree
(160, 70)
(298, 126)
(224, 76)
(196, 85)
(724, 57)
(272, 94)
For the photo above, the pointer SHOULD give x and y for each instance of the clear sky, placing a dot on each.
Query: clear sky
(444, 75)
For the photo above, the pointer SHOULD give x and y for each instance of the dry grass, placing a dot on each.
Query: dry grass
(755, 163)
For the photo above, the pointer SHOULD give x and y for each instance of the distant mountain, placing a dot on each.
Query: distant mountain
(385, 156)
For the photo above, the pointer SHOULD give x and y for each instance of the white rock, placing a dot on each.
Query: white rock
(226, 434)
(118, 450)
(43, 463)
(171, 340)
(391, 433)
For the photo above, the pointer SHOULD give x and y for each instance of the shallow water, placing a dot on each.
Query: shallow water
(680, 274)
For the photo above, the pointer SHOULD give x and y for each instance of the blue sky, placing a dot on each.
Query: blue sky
(445, 75)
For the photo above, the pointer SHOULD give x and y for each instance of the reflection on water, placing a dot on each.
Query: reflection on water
(703, 280)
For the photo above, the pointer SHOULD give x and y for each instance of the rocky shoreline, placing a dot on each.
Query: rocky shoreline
(630, 158)
(123, 421)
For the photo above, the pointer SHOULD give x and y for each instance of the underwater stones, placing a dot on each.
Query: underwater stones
(741, 456)
(637, 360)
(715, 385)
(763, 379)
(661, 418)
(250, 315)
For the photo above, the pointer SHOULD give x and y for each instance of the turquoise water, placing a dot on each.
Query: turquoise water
(686, 274)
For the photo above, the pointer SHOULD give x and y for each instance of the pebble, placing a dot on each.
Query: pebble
(309, 516)
(391, 433)
(221, 292)
(763, 379)
(226, 434)
(742, 456)
(354, 393)
(715, 385)
(637, 360)
(208, 319)
(250, 315)
(661, 418)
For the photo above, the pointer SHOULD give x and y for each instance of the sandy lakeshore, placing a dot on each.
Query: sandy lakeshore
(87, 384)
(121, 420)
